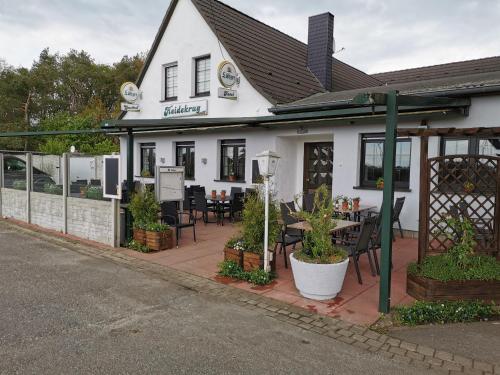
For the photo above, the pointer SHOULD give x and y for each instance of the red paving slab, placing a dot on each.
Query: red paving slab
(356, 303)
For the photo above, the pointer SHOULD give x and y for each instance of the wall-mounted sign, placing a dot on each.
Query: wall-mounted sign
(130, 92)
(130, 107)
(195, 108)
(227, 74)
(169, 183)
(228, 93)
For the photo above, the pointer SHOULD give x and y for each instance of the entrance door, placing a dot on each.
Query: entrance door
(318, 165)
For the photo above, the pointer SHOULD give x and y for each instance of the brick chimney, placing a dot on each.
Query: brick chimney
(320, 48)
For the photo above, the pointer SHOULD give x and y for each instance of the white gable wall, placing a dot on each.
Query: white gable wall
(188, 36)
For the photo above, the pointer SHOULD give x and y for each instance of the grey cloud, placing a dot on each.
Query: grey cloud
(377, 35)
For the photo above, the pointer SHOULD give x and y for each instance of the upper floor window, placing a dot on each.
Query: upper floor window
(372, 158)
(171, 81)
(233, 155)
(148, 159)
(202, 76)
(185, 158)
(470, 145)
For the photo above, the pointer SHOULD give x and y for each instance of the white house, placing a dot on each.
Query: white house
(206, 51)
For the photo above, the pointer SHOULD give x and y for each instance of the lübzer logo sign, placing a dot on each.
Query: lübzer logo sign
(130, 92)
(227, 74)
(195, 108)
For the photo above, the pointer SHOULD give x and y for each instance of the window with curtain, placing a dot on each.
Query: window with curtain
(148, 159)
(202, 76)
(233, 155)
(372, 160)
(171, 82)
(185, 158)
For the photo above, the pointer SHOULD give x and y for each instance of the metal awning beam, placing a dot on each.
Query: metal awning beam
(370, 99)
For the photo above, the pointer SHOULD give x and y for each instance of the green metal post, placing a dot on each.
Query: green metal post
(387, 204)
(130, 182)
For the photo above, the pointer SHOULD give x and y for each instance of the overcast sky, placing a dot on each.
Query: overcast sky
(378, 35)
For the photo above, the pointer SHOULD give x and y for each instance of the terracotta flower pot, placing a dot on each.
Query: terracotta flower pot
(214, 194)
(345, 205)
(222, 194)
(159, 240)
(355, 204)
(140, 236)
(232, 178)
(380, 186)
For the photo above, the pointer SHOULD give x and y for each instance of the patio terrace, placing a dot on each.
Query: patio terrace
(356, 303)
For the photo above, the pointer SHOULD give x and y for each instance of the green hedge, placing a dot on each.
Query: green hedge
(422, 312)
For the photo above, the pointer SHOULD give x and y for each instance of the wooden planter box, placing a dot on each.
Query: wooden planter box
(234, 255)
(140, 236)
(426, 289)
(252, 261)
(159, 240)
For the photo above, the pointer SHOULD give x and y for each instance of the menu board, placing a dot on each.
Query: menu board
(169, 183)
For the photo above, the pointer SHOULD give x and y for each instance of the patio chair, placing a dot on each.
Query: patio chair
(95, 182)
(308, 202)
(201, 205)
(236, 205)
(186, 203)
(173, 217)
(362, 244)
(289, 236)
(82, 182)
(249, 191)
(398, 206)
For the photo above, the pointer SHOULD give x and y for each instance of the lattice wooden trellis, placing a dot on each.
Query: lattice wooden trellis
(463, 184)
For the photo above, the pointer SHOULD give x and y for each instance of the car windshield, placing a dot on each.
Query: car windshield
(14, 164)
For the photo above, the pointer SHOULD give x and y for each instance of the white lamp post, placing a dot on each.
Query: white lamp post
(268, 161)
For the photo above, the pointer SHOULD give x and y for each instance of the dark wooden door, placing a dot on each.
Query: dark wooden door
(318, 165)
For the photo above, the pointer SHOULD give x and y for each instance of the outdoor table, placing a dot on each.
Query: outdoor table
(341, 225)
(355, 212)
(218, 198)
(219, 203)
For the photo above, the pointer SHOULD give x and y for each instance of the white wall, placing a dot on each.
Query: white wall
(186, 37)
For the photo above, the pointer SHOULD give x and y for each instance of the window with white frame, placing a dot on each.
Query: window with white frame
(171, 81)
(202, 76)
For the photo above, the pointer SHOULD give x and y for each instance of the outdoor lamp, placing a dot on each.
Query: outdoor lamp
(268, 161)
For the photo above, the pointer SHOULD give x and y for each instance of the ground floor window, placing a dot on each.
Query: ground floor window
(184, 152)
(148, 159)
(471, 145)
(233, 154)
(372, 159)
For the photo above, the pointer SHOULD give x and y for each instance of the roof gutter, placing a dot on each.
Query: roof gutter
(344, 103)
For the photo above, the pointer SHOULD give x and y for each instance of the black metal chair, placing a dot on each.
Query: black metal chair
(249, 191)
(95, 182)
(236, 205)
(308, 202)
(201, 205)
(289, 236)
(173, 217)
(187, 203)
(362, 244)
(82, 182)
(398, 206)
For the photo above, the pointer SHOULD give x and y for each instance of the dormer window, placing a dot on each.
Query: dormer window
(202, 76)
(171, 81)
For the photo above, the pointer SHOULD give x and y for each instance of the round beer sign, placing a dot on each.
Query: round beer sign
(129, 92)
(227, 74)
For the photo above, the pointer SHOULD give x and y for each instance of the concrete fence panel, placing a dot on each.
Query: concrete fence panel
(14, 204)
(91, 219)
(47, 211)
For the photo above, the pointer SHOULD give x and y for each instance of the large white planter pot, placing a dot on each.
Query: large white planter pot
(318, 281)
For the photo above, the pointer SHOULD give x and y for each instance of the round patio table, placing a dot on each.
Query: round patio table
(218, 198)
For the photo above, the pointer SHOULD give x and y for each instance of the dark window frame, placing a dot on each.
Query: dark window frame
(196, 62)
(474, 141)
(237, 144)
(380, 138)
(152, 158)
(189, 170)
(165, 73)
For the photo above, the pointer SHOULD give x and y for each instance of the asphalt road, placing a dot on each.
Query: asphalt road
(65, 313)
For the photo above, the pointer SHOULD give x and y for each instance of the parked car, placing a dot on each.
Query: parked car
(15, 170)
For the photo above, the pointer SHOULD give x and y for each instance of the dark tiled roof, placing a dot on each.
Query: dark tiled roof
(455, 69)
(273, 62)
(441, 86)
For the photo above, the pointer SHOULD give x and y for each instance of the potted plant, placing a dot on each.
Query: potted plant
(319, 267)
(234, 251)
(355, 203)
(232, 177)
(159, 236)
(144, 209)
(145, 173)
(345, 203)
(380, 183)
(469, 187)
